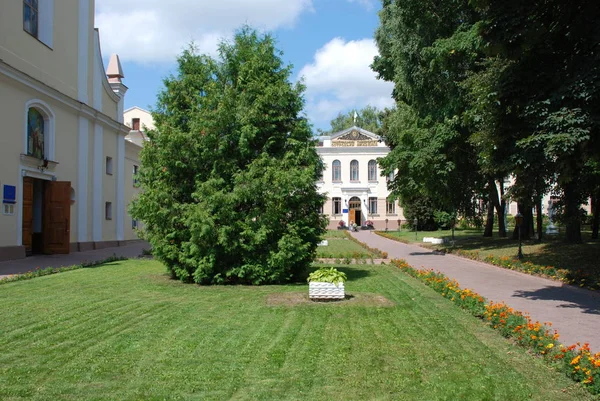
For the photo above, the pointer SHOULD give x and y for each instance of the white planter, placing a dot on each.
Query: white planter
(318, 290)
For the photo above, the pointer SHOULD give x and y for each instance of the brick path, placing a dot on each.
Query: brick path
(574, 312)
(18, 266)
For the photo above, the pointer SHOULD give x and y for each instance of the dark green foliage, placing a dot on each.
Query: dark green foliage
(228, 178)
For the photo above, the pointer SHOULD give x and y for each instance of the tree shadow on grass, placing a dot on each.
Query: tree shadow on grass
(354, 273)
(572, 298)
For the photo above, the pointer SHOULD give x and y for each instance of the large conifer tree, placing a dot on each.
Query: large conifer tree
(229, 176)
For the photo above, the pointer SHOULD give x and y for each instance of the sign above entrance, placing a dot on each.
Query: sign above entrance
(344, 210)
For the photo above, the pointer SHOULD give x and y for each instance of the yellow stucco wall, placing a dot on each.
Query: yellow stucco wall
(56, 67)
(109, 185)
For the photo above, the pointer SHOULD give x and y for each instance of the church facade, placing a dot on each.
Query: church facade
(65, 160)
(356, 192)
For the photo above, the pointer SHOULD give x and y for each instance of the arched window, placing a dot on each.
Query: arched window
(35, 133)
(38, 132)
(372, 170)
(354, 170)
(336, 171)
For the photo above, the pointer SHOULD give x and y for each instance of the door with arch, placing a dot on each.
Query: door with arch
(354, 210)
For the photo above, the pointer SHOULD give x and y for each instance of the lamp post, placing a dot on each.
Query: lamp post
(519, 222)
(416, 224)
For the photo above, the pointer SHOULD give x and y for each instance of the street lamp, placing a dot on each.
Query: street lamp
(519, 222)
(416, 224)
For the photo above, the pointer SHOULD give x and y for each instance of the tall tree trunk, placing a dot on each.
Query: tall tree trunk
(527, 225)
(489, 222)
(493, 191)
(503, 232)
(596, 215)
(540, 219)
(572, 215)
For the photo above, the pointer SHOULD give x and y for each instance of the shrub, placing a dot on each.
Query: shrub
(228, 191)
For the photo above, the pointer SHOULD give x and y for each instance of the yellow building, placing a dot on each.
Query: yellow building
(67, 170)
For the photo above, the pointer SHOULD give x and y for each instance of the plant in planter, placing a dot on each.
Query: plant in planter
(326, 283)
(341, 225)
(369, 224)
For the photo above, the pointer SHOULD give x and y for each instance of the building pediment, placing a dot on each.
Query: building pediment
(354, 137)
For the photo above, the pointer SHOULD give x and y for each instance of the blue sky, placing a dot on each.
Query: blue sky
(329, 42)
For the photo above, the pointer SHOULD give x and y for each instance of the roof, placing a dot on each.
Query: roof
(362, 131)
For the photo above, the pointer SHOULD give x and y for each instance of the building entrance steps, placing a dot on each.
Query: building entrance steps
(573, 312)
(19, 266)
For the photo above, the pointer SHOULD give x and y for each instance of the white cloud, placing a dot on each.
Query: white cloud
(339, 79)
(150, 31)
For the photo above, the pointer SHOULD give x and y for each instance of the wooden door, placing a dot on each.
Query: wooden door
(57, 217)
(27, 233)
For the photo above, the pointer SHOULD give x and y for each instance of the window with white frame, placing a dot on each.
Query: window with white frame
(354, 170)
(31, 17)
(390, 206)
(336, 171)
(109, 165)
(337, 206)
(372, 205)
(372, 170)
(38, 19)
(391, 176)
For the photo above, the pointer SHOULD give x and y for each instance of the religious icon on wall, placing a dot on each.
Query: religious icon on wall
(35, 134)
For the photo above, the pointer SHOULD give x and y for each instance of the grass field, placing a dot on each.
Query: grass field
(124, 331)
(552, 251)
(340, 247)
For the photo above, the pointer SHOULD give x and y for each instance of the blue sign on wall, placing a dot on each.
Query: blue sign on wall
(10, 194)
(344, 210)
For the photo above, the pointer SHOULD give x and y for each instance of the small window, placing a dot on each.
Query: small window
(109, 165)
(391, 176)
(390, 206)
(372, 205)
(372, 170)
(336, 171)
(337, 206)
(134, 224)
(135, 124)
(8, 209)
(30, 17)
(108, 210)
(354, 170)
(136, 169)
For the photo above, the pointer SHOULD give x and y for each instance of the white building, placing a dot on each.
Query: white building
(356, 191)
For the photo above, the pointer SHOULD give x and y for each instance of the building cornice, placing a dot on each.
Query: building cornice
(353, 150)
(82, 108)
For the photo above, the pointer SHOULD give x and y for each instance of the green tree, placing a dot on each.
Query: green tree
(548, 95)
(427, 50)
(229, 175)
(368, 118)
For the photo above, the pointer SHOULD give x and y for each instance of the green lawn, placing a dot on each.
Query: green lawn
(552, 251)
(340, 247)
(126, 332)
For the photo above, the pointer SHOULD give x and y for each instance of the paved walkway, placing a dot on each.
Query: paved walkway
(574, 312)
(18, 266)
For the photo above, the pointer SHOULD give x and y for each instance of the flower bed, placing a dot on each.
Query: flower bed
(576, 361)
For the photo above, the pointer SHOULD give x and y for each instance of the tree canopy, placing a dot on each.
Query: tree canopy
(485, 90)
(229, 175)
